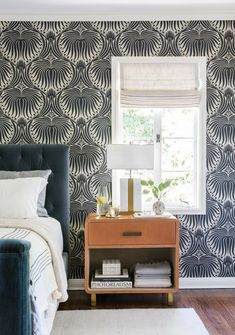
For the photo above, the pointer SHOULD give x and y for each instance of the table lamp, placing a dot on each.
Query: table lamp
(130, 157)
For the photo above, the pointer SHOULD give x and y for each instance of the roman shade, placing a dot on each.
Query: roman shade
(159, 85)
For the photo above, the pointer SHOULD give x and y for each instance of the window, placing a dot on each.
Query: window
(172, 121)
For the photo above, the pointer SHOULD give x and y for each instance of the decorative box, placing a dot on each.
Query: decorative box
(111, 267)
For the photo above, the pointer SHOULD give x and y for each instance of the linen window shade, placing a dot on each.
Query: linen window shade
(159, 85)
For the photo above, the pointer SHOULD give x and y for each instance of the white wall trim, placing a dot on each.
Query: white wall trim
(184, 283)
(202, 283)
(88, 10)
(170, 16)
(76, 284)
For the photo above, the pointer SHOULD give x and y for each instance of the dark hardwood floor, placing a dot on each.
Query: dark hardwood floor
(216, 308)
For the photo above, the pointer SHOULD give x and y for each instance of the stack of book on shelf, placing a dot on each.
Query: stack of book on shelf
(113, 278)
(153, 275)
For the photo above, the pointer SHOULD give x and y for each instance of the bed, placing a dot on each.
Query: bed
(18, 251)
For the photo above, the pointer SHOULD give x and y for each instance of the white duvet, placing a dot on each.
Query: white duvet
(47, 273)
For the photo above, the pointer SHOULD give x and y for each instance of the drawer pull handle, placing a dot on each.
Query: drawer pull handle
(132, 233)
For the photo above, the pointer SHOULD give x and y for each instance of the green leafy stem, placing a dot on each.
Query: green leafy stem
(160, 190)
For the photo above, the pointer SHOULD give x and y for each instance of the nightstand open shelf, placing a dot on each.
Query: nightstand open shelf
(157, 240)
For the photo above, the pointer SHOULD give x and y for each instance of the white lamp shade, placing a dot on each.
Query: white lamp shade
(130, 156)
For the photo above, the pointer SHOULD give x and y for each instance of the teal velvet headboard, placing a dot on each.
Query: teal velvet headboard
(15, 316)
(25, 157)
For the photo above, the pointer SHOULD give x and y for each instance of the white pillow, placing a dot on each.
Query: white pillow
(19, 197)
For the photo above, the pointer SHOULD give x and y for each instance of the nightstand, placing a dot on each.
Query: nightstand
(131, 240)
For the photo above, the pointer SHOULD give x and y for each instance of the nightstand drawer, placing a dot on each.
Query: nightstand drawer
(136, 233)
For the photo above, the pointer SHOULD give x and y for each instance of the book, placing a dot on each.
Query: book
(99, 275)
(111, 284)
(107, 279)
(157, 283)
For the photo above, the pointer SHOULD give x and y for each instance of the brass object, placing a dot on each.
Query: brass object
(126, 213)
(93, 300)
(170, 299)
(130, 195)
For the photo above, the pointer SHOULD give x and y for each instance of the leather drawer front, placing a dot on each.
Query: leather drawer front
(131, 233)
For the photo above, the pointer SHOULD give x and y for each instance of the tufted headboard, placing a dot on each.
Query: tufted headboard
(25, 157)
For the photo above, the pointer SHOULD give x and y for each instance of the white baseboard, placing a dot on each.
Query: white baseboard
(201, 283)
(76, 284)
(184, 283)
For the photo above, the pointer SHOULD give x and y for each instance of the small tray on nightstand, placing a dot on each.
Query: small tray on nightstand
(149, 215)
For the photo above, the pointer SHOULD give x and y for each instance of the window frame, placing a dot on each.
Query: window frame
(201, 62)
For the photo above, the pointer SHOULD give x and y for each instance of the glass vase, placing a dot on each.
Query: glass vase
(102, 201)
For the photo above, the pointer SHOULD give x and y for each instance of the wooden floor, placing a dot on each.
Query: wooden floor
(216, 308)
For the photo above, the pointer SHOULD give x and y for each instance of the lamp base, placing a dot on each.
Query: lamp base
(130, 195)
(126, 213)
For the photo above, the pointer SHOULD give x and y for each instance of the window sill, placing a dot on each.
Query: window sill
(187, 211)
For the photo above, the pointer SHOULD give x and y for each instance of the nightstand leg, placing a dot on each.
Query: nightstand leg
(170, 299)
(93, 300)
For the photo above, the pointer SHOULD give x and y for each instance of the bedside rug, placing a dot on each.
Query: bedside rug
(165, 321)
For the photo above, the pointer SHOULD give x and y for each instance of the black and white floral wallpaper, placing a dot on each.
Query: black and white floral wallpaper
(55, 87)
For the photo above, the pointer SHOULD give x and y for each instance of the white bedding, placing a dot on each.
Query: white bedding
(48, 280)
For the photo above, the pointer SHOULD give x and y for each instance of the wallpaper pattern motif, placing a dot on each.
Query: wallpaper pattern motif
(55, 88)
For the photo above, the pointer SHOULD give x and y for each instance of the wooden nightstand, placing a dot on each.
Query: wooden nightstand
(131, 240)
